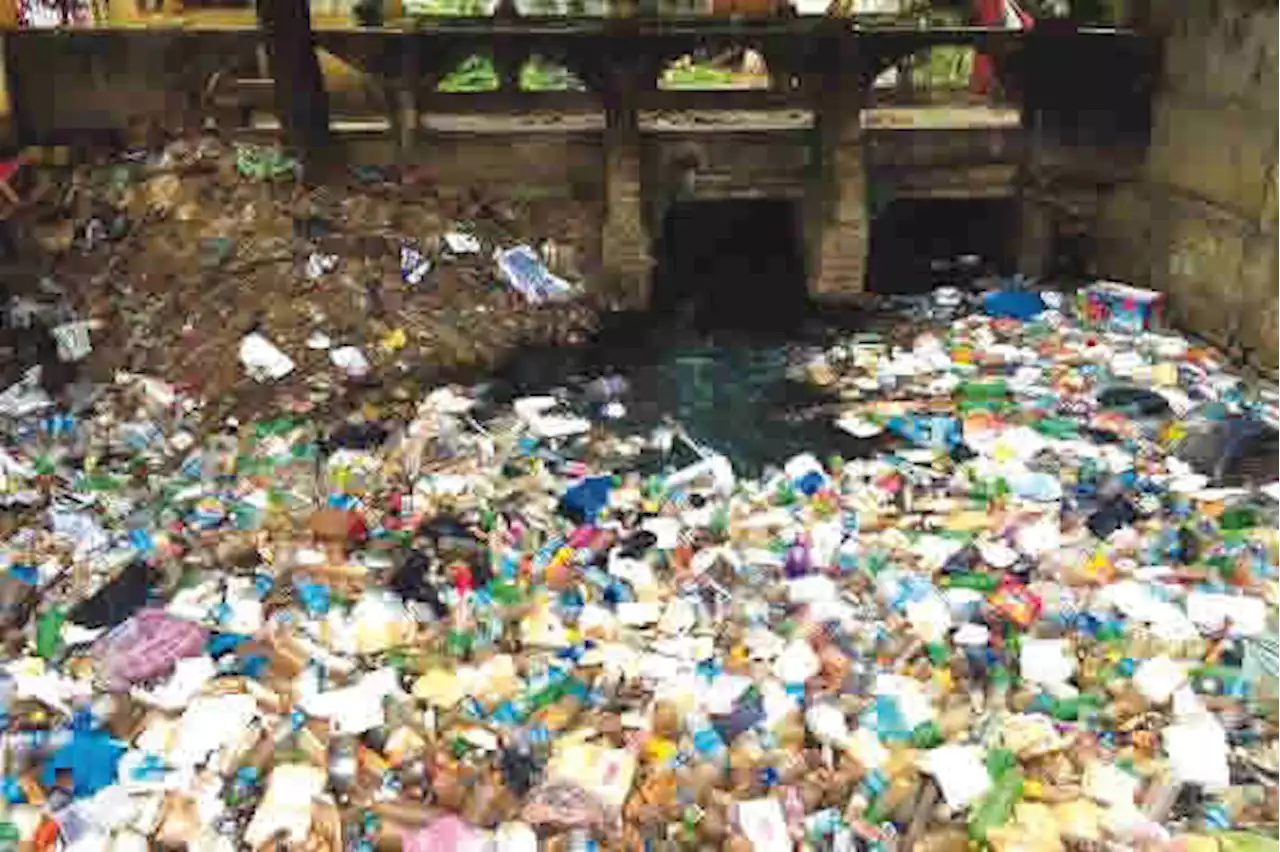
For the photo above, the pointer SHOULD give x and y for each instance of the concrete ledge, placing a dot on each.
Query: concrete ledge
(650, 121)
(940, 117)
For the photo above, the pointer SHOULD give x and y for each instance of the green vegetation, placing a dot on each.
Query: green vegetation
(477, 74)
(465, 8)
(696, 76)
(473, 74)
(942, 67)
(541, 75)
(695, 72)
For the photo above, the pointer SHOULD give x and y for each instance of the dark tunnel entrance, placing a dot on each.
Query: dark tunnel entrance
(918, 244)
(731, 264)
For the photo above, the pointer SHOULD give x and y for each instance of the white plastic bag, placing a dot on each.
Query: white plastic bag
(263, 360)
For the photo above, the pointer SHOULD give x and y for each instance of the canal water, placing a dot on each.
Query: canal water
(722, 351)
(736, 391)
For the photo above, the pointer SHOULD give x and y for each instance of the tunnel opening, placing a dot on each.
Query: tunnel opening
(731, 264)
(920, 243)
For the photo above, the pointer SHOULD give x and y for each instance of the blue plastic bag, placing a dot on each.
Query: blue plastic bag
(1015, 304)
(584, 501)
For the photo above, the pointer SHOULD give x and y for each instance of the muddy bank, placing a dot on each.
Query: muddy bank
(173, 256)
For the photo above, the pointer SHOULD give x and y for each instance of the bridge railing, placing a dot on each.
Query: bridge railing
(103, 79)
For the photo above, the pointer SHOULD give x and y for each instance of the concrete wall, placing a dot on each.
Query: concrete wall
(542, 165)
(940, 163)
(1200, 220)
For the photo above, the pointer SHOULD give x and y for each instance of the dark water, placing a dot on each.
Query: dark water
(729, 388)
(731, 315)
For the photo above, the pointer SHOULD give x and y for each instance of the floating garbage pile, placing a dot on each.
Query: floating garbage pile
(1021, 623)
(173, 262)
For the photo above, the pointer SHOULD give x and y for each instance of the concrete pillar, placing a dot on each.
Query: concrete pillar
(625, 248)
(1035, 235)
(406, 115)
(837, 214)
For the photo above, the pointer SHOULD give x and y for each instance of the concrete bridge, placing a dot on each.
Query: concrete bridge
(638, 149)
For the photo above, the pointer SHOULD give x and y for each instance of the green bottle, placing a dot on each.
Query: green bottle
(720, 522)
(983, 391)
(1000, 761)
(970, 580)
(835, 464)
(1238, 518)
(1056, 427)
(546, 697)
(939, 653)
(998, 693)
(49, 633)
(101, 482)
(1071, 709)
(652, 488)
(505, 594)
(996, 806)
(877, 562)
(926, 735)
(690, 822)
(459, 643)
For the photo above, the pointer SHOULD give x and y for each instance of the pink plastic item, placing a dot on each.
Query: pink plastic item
(144, 647)
(447, 834)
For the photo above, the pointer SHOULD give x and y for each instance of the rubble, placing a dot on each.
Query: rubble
(174, 257)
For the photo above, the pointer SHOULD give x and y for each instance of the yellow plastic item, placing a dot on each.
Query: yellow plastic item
(1164, 375)
(395, 339)
(1079, 820)
(659, 750)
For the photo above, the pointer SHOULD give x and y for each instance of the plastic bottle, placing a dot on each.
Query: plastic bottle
(706, 740)
(996, 806)
(903, 783)
(1238, 518)
(798, 561)
(926, 735)
(49, 632)
(8, 689)
(580, 840)
(342, 765)
(969, 580)
(998, 690)
(822, 824)
(220, 457)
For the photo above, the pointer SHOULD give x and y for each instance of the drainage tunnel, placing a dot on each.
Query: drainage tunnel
(731, 263)
(917, 244)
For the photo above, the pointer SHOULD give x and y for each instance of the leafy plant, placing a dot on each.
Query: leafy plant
(943, 67)
(461, 8)
(474, 74)
(541, 75)
(696, 76)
